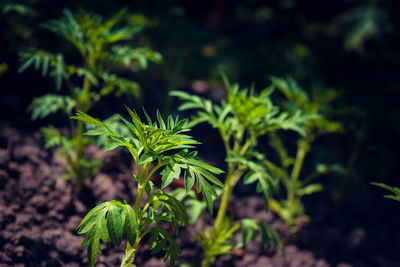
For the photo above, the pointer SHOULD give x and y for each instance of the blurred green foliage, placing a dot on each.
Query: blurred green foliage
(101, 49)
(392, 189)
(289, 169)
(242, 120)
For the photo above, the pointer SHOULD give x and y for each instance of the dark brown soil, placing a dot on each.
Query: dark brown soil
(38, 216)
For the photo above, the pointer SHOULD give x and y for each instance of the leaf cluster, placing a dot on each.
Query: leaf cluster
(258, 171)
(48, 63)
(81, 167)
(18, 8)
(43, 106)
(158, 142)
(317, 106)
(242, 119)
(92, 35)
(161, 146)
(108, 222)
(243, 111)
(215, 243)
(98, 42)
(288, 168)
(103, 48)
(193, 205)
(252, 227)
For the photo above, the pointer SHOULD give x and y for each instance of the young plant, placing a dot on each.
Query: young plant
(288, 168)
(155, 147)
(98, 45)
(241, 120)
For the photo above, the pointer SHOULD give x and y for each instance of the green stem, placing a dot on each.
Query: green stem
(231, 180)
(142, 212)
(206, 262)
(153, 170)
(226, 143)
(78, 169)
(233, 176)
(76, 133)
(298, 164)
(143, 178)
(230, 183)
(293, 198)
(130, 251)
(139, 198)
(245, 147)
(159, 165)
(224, 203)
(237, 145)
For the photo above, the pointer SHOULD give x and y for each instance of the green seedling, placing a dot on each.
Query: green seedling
(155, 147)
(393, 189)
(241, 120)
(289, 168)
(100, 49)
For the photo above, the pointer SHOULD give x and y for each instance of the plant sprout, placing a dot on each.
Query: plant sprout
(241, 120)
(289, 169)
(163, 148)
(98, 43)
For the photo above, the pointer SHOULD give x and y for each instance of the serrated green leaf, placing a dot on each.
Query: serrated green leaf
(203, 165)
(103, 230)
(99, 131)
(209, 176)
(88, 119)
(189, 179)
(170, 123)
(170, 172)
(88, 237)
(207, 190)
(131, 223)
(45, 60)
(43, 106)
(161, 240)
(128, 258)
(195, 209)
(146, 158)
(92, 251)
(148, 188)
(250, 178)
(91, 214)
(310, 189)
(265, 235)
(114, 225)
(89, 224)
(161, 121)
(249, 230)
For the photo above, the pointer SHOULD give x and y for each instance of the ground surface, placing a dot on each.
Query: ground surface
(38, 216)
